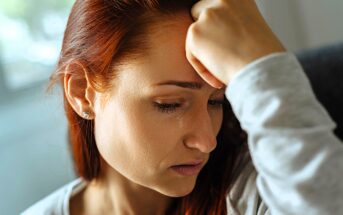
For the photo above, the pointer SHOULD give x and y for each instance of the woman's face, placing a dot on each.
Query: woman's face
(160, 114)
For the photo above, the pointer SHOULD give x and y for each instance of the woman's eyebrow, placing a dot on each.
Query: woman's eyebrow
(190, 85)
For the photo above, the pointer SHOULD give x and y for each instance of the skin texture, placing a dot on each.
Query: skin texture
(226, 36)
(138, 142)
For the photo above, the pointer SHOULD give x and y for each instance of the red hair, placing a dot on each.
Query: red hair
(99, 35)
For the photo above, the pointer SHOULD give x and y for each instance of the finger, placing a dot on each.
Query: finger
(204, 73)
(199, 7)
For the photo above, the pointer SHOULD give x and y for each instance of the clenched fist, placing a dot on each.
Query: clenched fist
(226, 36)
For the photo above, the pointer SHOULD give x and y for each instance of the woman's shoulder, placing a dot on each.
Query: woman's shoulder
(58, 201)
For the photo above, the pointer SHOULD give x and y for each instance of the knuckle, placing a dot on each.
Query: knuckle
(222, 2)
(208, 14)
(195, 30)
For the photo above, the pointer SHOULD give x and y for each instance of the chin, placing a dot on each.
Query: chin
(178, 189)
(179, 194)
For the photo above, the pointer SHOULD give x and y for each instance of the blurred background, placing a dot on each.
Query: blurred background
(34, 155)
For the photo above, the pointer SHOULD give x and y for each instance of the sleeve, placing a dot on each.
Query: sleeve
(243, 197)
(298, 159)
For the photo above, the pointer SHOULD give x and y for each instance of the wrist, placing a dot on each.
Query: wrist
(257, 57)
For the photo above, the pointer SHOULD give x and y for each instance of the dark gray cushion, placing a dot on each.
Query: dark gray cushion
(324, 67)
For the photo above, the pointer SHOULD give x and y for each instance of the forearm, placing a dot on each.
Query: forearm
(291, 140)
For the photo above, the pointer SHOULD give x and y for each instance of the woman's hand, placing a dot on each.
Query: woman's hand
(226, 36)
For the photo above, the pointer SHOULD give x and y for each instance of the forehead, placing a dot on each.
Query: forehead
(166, 57)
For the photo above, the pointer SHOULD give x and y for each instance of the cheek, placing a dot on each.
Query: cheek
(108, 135)
(217, 120)
(128, 139)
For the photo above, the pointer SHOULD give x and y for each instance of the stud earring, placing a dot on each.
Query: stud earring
(85, 114)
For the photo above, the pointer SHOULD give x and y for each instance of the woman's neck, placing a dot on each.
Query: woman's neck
(112, 193)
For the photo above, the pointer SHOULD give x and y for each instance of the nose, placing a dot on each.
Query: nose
(202, 135)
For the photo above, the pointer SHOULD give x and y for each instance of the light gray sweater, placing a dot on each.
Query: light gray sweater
(290, 136)
(298, 162)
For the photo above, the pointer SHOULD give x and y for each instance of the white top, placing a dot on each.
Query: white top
(57, 203)
(298, 159)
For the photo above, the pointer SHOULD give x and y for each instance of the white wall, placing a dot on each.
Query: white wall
(322, 21)
(303, 24)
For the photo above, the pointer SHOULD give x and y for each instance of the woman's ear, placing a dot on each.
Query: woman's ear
(78, 90)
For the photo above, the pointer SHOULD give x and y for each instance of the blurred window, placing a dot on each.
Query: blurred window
(31, 33)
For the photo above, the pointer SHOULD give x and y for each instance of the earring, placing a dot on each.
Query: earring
(85, 114)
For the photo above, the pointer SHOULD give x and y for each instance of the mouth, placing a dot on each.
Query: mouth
(188, 169)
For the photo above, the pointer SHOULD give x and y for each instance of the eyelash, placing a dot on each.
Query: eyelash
(169, 108)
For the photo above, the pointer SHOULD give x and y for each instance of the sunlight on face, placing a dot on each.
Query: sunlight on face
(152, 122)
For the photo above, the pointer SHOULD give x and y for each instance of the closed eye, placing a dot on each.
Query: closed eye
(216, 103)
(167, 107)
(172, 107)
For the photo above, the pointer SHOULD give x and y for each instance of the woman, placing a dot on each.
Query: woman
(152, 132)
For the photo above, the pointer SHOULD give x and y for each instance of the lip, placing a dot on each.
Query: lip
(188, 169)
